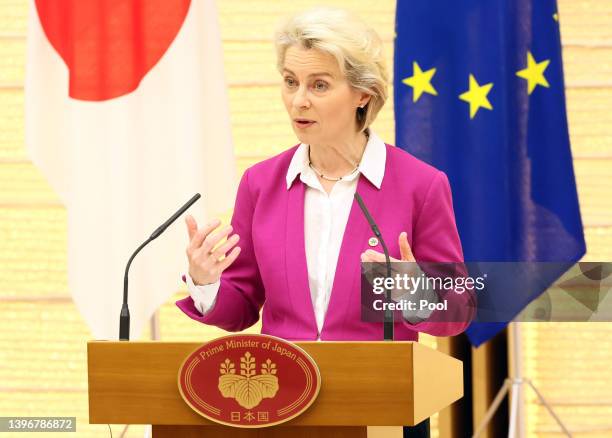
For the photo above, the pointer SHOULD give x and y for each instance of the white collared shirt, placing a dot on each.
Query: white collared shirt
(325, 218)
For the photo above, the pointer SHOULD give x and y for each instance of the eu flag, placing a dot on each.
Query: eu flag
(479, 94)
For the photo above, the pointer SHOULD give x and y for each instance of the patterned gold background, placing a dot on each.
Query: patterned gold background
(42, 337)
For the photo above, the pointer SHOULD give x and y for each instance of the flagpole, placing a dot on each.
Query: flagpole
(517, 395)
(154, 325)
(513, 388)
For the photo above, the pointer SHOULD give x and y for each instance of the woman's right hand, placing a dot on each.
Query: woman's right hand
(204, 264)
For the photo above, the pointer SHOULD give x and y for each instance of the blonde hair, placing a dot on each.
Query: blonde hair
(356, 46)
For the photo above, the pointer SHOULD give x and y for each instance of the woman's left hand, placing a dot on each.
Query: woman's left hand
(410, 269)
(406, 253)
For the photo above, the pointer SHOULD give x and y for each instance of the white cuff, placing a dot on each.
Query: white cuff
(204, 297)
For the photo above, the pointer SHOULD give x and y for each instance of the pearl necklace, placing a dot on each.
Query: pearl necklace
(329, 178)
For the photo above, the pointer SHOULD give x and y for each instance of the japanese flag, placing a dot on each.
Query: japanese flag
(127, 117)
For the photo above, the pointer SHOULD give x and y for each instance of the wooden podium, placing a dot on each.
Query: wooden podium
(363, 384)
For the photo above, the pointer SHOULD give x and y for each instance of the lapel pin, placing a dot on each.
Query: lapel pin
(373, 241)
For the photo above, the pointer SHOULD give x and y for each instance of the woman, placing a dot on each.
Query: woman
(297, 237)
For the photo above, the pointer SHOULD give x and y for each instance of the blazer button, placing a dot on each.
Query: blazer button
(373, 241)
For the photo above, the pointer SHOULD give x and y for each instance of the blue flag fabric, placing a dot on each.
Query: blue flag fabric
(479, 94)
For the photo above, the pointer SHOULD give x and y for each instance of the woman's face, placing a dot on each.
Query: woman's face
(320, 102)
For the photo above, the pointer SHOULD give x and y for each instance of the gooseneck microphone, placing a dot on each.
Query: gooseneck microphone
(124, 318)
(388, 321)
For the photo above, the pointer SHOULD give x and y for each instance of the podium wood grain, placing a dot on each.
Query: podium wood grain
(363, 383)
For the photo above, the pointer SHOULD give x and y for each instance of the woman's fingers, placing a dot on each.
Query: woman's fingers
(199, 237)
(406, 252)
(225, 247)
(374, 256)
(214, 238)
(404, 246)
(206, 248)
(192, 226)
(229, 259)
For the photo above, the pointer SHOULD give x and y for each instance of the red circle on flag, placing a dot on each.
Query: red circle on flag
(110, 45)
(249, 380)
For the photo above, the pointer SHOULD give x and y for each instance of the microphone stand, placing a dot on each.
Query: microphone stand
(388, 319)
(124, 316)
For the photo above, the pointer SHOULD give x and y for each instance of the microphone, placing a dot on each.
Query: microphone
(124, 317)
(388, 321)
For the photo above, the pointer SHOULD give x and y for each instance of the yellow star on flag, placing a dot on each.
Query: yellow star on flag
(476, 96)
(534, 73)
(420, 81)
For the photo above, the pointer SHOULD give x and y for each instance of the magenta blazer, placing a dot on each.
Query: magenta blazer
(271, 269)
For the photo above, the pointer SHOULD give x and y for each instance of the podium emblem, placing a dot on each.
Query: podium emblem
(248, 388)
(249, 380)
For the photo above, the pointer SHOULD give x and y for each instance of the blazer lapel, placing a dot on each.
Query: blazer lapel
(348, 268)
(295, 250)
